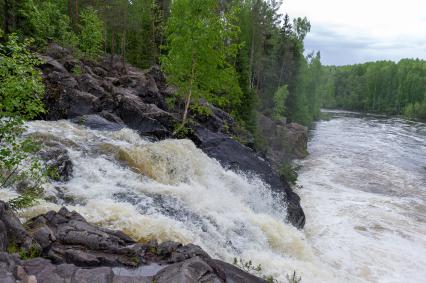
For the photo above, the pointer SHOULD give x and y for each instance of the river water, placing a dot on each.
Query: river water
(363, 192)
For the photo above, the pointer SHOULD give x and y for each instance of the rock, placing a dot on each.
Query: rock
(190, 271)
(234, 155)
(98, 122)
(50, 64)
(66, 237)
(284, 142)
(96, 275)
(158, 76)
(3, 237)
(56, 156)
(90, 85)
(82, 103)
(147, 119)
(8, 266)
(234, 274)
(16, 234)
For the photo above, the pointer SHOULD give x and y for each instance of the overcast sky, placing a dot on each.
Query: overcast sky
(355, 31)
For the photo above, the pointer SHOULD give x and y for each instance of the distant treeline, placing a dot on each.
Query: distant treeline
(382, 87)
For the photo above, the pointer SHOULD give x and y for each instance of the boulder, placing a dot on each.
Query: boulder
(13, 233)
(147, 119)
(91, 85)
(97, 122)
(233, 155)
(284, 142)
(82, 103)
(66, 237)
(193, 270)
(56, 156)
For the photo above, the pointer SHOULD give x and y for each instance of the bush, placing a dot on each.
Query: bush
(289, 172)
(21, 91)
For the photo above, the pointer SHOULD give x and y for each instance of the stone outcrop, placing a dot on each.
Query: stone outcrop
(285, 142)
(76, 251)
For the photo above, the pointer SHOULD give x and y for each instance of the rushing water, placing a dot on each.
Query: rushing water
(363, 192)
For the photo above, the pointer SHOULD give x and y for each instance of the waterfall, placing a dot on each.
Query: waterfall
(171, 190)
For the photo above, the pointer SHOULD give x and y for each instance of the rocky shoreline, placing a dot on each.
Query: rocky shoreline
(63, 247)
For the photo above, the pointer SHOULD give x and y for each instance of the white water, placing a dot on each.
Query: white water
(364, 193)
(170, 190)
(364, 196)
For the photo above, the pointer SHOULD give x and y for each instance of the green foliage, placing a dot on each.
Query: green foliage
(382, 87)
(91, 33)
(32, 252)
(289, 172)
(21, 85)
(199, 48)
(47, 22)
(280, 97)
(21, 90)
(256, 270)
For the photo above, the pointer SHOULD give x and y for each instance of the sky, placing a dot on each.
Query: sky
(357, 31)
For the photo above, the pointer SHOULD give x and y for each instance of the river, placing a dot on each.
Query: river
(363, 192)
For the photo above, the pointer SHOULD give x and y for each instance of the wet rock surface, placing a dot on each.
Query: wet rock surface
(76, 251)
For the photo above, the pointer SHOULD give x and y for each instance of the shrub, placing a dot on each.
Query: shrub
(21, 91)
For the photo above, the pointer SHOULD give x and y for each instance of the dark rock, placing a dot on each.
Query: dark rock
(193, 270)
(66, 237)
(82, 103)
(90, 85)
(16, 234)
(147, 119)
(96, 275)
(234, 274)
(158, 76)
(284, 142)
(56, 156)
(234, 155)
(50, 65)
(8, 266)
(97, 122)
(55, 51)
(3, 237)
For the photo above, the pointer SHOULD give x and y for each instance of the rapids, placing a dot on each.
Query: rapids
(364, 195)
(363, 189)
(170, 190)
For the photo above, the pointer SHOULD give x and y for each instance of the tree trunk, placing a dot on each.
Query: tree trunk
(123, 52)
(188, 98)
(112, 49)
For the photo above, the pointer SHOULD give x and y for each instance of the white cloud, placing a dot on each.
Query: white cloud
(353, 31)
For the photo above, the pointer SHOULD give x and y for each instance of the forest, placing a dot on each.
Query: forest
(378, 87)
(248, 59)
